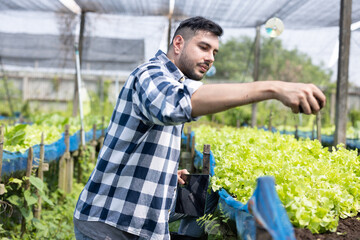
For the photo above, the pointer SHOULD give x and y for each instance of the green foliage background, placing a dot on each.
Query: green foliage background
(235, 63)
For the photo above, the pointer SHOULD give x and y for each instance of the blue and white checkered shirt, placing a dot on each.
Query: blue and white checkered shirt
(133, 183)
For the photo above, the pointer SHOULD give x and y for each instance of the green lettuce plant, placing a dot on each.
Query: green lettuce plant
(315, 185)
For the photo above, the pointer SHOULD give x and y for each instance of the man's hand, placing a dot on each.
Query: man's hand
(180, 174)
(301, 97)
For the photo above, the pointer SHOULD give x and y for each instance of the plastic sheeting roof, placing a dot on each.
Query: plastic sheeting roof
(120, 34)
(229, 13)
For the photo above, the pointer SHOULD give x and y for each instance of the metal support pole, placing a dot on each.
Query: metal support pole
(343, 72)
(256, 72)
(78, 77)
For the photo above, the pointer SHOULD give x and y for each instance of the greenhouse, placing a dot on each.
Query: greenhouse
(172, 119)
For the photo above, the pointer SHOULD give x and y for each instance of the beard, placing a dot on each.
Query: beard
(189, 69)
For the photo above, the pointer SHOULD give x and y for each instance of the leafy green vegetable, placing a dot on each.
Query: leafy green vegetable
(16, 135)
(316, 186)
(22, 136)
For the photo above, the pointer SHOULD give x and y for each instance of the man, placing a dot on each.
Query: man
(130, 192)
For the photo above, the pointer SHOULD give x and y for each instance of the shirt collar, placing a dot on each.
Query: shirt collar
(173, 69)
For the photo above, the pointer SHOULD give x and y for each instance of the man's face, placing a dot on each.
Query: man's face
(198, 54)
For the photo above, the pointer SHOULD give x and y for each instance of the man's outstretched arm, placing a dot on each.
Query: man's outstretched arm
(213, 98)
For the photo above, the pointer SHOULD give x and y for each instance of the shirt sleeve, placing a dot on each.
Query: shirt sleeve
(162, 100)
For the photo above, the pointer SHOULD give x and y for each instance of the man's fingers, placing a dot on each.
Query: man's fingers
(315, 105)
(305, 107)
(319, 96)
(321, 99)
(180, 174)
(313, 102)
(181, 181)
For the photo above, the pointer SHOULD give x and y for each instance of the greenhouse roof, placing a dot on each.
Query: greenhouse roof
(229, 13)
(40, 34)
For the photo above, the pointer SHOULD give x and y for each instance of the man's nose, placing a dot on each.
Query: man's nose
(210, 58)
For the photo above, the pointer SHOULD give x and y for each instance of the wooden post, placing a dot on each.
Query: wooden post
(76, 87)
(27, 185)
(37, 211)
(94, 144)
(169, 26)
(313, 131)
(256, 72)
(192, 154)
(206, 159)
(2, 186)
(332, 107)
(62, 161)
(29, 167)
(69, 164)
(101, 139)
(188, 159)
(343, 72)
(237, 123)
(188, 139)
(81, 155)
(318, 126)
(69, 173)
(185, 158)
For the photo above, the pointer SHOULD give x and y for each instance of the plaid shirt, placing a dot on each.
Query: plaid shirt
(135, 178)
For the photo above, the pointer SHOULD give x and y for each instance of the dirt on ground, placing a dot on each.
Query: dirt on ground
(348, 229)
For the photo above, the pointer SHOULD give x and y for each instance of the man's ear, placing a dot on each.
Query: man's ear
(178, 44)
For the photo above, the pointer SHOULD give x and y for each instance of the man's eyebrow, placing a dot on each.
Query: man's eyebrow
(208, 45)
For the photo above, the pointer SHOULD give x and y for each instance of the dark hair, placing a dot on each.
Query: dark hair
(196, 24)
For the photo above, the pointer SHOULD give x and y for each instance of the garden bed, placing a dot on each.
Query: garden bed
(348, 229)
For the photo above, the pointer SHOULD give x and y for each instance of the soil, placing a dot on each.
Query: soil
(348, 229)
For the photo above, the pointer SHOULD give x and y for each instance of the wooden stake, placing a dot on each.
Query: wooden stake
(313, 131)
(37, 211)
(94, 144)
(101, 139)
(188, 139)
(27, 185)
(29, 167)
(62, 161)
(81, 154)
(256, 72)
(192, 154)
(94, 132)
(206, 159)
(318, 126)
(102, 127)
(69, 164)
(69, 173)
